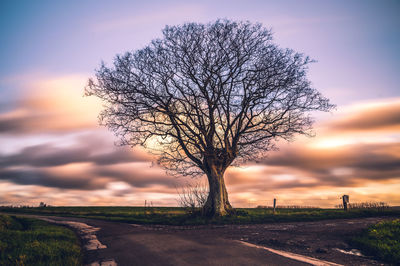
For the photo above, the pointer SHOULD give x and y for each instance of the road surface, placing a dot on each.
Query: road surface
(127, 244)
(112, 243)
(131, 245)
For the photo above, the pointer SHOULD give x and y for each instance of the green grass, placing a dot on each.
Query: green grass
(177, 216)
(25, 241)
(381, 240)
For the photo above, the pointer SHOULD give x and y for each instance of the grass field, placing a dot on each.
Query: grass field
(25, 241)
(177, 216)
(381, 241)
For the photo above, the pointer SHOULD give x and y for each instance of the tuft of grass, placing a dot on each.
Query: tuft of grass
(25, 241)
(381, 240)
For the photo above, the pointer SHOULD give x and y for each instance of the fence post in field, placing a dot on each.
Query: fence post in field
(345, 201)
(274, 205)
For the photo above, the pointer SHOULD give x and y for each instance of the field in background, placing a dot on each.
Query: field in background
(178, 216)
(25, 241)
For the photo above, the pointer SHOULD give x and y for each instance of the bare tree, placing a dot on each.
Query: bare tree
(207, 96)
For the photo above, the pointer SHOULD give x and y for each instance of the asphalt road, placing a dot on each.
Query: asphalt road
(297, 243)
(128, 244)
(131, 245)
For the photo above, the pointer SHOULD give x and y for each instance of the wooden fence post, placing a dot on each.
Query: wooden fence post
(345, 201)
(274, 205)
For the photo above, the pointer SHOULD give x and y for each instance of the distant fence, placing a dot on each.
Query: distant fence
(287, 207)
(365, 205)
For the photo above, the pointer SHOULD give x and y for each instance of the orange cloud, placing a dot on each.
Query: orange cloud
(52, 105)
(383, 115)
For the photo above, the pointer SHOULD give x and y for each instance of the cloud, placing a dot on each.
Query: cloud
(16, 124)
(79, 164)
(382, 115)
(48, 154)
(350, 165)
(45, 155)
(139, 175)
(42, 178)
(90, 177)
(36, 121)
(367, 156)
(86, 176)
(51, 104)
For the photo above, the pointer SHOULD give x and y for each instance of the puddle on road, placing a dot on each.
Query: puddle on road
(87, 232)
(354, 252)
(136, 225)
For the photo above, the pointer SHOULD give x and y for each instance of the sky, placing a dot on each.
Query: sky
(53, 150)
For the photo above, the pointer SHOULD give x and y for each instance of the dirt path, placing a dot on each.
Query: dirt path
(128, 244)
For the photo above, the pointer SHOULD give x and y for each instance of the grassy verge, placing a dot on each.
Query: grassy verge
(381, 240)
(177, 216)
(25, 241)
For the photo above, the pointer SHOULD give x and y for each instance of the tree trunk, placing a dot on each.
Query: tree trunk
(217, 203)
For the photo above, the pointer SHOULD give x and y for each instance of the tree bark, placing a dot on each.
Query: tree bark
(217, 203)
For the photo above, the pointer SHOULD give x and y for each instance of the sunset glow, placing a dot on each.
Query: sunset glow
(53, 150)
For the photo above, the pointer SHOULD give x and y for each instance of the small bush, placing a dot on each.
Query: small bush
(192, 197)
